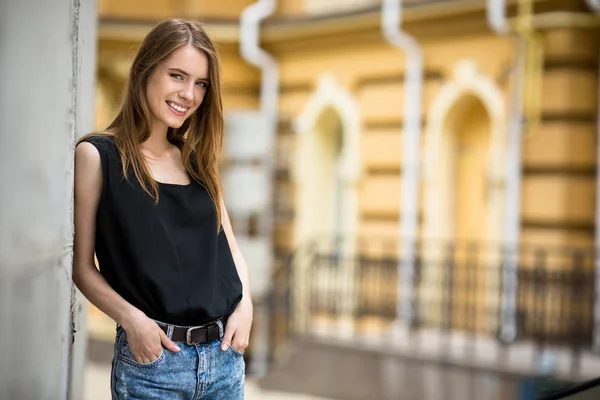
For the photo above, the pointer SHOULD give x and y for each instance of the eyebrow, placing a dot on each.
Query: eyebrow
(182, 72)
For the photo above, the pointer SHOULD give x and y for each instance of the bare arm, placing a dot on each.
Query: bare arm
(88, 188)
(237, 332)
(238, 257)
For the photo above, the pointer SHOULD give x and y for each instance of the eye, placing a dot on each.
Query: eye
(176, 76)
(202, 84)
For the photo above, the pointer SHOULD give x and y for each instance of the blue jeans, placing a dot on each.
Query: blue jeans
(197, 372)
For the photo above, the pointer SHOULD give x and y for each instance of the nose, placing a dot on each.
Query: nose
(187, 93)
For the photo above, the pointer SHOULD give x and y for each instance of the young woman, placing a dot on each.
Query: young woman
(148, 203)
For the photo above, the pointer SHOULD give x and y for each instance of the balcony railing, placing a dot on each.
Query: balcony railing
(344, 287)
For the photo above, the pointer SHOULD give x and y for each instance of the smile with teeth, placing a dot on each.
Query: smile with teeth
(176, 107)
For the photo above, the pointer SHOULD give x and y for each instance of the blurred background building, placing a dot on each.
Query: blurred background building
(458, 152)
(416, 197)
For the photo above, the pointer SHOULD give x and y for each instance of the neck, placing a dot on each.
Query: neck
(157, 143)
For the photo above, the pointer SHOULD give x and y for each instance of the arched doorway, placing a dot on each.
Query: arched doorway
(464, 199)
(327, 163)
(324, 189)
(464, 160)
(326, 172)
(466, 145)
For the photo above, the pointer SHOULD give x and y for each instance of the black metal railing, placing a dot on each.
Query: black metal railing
(456, 287)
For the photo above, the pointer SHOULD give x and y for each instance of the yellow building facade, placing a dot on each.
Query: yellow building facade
(340, 129)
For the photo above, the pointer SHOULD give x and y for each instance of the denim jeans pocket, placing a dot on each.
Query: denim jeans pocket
(239, 353)
(127, 356)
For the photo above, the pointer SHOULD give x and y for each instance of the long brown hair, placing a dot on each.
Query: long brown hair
(200, 137)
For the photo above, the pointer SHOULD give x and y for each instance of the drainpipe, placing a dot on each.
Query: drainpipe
(525, 94)
(595, 6)
(392, 30)
(255, 55)
(496, 15)
(251, 51)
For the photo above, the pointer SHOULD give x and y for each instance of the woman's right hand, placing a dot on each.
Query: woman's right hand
(146, 339)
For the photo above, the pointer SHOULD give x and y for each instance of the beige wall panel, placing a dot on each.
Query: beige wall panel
(379, 195)
(561, 145)
(159, 9)
(108, 99)
(559, 247)
(240, 80)
(559, 199)
(235, 70)
(115, 63)
(382, 230)
(229, 9)
(292, 104)
(348, 63)
(570, 91)
(381, 148)
(289, 8)
(139, 9)
(375, 58)
(105, 109)
(555, 238)
(492, 53)
(370, 55)
(239, 101)
(378, 237)
(385, 101)
(571, 45)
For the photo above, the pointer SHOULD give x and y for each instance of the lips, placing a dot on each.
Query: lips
(177, 107)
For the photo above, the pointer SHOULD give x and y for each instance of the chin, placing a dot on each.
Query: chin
(175, 126)
(175, 123)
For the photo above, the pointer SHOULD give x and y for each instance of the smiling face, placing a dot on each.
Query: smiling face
(176, 87)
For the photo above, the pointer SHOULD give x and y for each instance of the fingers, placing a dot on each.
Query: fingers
(227, 337)
(143, 352)
(241, 339)
(149, 350)
(237, 339)
(238, 343)
(168, 343)
(147, 357)
(147, 360)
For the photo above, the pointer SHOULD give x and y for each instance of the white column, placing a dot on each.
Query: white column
(45, 98)
(86, 62)
(391, 24)
(597, 241)
(513, 200)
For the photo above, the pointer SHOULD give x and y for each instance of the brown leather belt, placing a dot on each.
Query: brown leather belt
(195, 334)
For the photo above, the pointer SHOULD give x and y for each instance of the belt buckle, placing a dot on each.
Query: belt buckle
(188, 335)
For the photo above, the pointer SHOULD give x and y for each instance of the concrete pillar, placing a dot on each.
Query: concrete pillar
(47, 48)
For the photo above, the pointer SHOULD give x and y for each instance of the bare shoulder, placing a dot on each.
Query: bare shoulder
(88, 190)
(87, 155)
(88, 165)
(86, 150)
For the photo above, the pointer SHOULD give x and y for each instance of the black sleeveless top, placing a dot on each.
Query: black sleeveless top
(166, 259)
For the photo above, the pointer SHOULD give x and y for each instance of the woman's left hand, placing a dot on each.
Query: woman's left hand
(237, 330)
